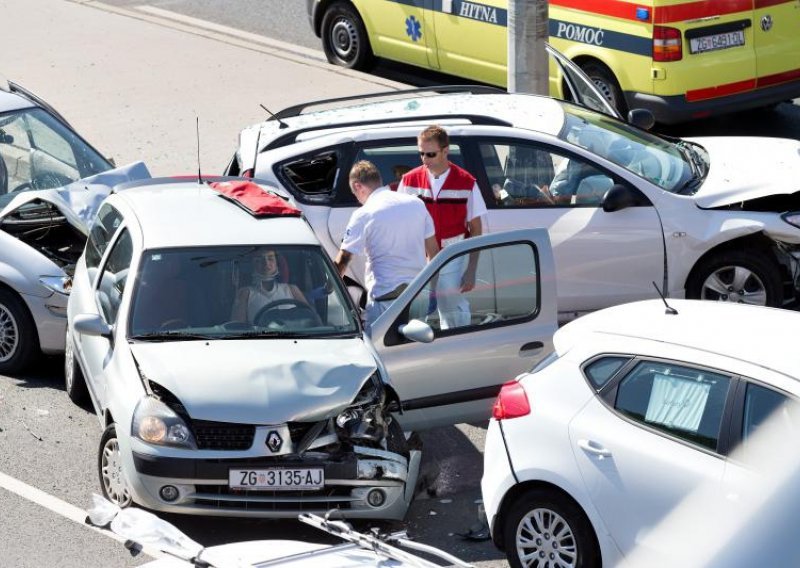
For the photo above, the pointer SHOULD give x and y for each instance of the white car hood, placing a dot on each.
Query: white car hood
(80, 200)
(259, 381)
(745, 168)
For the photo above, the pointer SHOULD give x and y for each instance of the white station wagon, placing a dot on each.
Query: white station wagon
(714, 218)
(230, 371)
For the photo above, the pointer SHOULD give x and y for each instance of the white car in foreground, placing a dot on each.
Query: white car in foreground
(716, 218)
(230, 372)
(638, 406)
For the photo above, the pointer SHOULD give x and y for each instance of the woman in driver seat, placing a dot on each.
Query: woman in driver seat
(266, 288)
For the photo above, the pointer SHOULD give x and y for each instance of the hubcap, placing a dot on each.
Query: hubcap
(9, 334)
(113, 478)
(344, 39)
(545, 540)
(69, 362)
(734, 284)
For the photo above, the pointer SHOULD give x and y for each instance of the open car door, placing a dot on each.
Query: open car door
(447, 353)
(578, 86)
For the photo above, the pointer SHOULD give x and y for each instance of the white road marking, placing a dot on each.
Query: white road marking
(62, 508)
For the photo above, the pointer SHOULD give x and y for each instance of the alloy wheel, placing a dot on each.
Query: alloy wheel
(9, 334)
(545, 540)
(735, 284)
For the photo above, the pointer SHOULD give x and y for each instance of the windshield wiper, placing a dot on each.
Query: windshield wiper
(169, 336)
(262, 333)
(697, 165)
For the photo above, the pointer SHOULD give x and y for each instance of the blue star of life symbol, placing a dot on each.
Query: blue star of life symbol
(413, 28)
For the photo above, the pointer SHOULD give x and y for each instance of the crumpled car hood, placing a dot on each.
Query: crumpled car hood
(80, 200)
(259, 381)
(746, 168)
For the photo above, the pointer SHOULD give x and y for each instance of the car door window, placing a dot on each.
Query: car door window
(506, 291)
(113, 277)
(761, 405)
(526, 175)
(312, 178)
(105, 225)
(395, 160)
(685, 402)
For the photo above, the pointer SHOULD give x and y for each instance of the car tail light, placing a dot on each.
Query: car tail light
(512, 402)
(667, 45)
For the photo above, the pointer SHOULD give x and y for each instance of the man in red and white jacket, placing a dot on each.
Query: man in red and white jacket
(456, 205)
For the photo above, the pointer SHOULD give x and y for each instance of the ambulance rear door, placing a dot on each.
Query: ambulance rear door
(716, 54)
(472, 39)
(776, 27)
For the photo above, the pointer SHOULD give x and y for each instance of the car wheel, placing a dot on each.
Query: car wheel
(741, 277)
(344, 37)
(18, 341)
(545, 529)
(74, 382)
(109, 464)
(607, 84)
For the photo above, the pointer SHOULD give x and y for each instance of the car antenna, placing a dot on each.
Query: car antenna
(670, 310)
(199, 174)
(273, 115)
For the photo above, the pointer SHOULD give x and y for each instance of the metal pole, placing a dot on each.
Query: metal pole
(528, 63)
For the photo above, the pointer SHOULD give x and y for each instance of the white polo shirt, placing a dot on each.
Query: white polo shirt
(390, 229)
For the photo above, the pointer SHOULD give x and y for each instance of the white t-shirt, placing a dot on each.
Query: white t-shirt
(390, 229)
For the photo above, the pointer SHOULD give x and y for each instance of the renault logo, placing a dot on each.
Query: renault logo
(766, 23)
(274, 441)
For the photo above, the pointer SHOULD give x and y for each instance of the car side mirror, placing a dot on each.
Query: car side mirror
(641, 118)
(92, 325)
(621, 197)
(417, 330)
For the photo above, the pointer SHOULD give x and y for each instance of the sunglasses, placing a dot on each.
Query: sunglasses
(429, 154)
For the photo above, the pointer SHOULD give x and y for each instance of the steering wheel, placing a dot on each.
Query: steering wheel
(297, 310)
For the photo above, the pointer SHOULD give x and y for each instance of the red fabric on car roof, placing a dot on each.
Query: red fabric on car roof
(254, 198)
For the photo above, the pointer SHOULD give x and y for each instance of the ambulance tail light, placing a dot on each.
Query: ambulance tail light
(667, 44)
(512, 402)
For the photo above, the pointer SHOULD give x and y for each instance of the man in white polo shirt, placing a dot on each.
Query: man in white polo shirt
(393, 230)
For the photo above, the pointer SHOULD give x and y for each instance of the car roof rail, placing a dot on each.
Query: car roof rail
(475, 119)
(297, 110)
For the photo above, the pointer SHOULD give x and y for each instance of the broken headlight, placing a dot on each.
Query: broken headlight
(364, 420)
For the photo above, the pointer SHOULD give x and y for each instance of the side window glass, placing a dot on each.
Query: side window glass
(394, 161)
(684, 402)
(313, 177)
(600, 371)
(523, 175)
(762, 405)
(506, 289)
(113, 277)
(105, 225)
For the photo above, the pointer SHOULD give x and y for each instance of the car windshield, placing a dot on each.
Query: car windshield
(37, 151)
(675, 166)
(239, 292)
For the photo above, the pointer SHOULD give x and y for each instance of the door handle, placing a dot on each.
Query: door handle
(592, 447)
(532, 348)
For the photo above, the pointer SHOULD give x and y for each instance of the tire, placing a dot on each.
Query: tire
(607, 84)
(344, 37)
(18, 340)
(109, 467)
(542, 522)
(742, 277)
(74, 382)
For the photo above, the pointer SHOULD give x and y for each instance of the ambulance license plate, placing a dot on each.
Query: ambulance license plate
(716, 41)
(277, 479)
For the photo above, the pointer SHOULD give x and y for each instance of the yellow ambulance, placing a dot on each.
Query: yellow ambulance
(680, 59)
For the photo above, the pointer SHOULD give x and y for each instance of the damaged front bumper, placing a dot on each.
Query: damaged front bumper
(365, 483)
